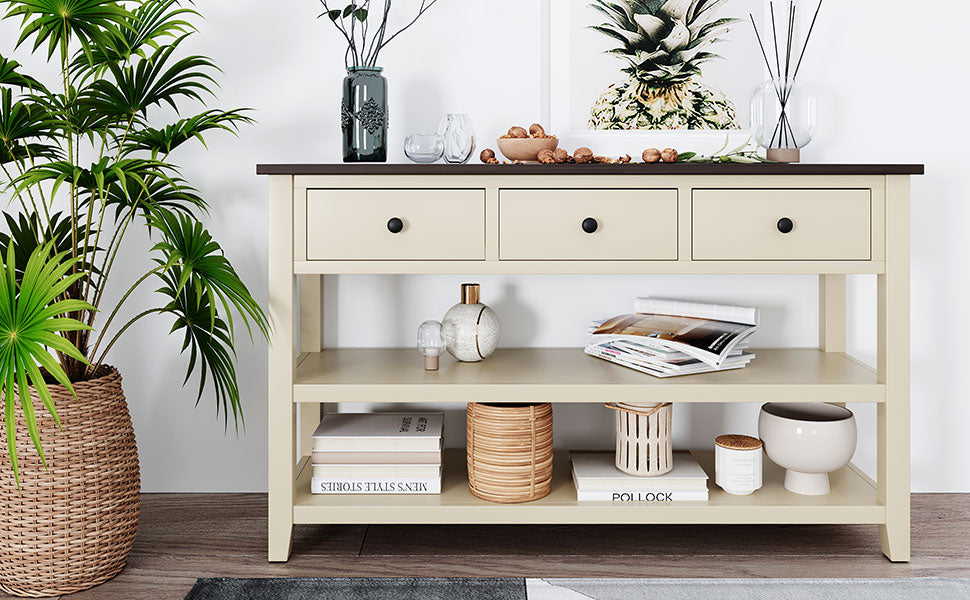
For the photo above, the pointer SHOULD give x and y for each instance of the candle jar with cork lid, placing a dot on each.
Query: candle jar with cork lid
(738, 463)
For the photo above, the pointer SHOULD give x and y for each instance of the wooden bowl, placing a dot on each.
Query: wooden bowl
(526, 149)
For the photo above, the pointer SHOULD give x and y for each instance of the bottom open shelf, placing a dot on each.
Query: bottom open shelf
(852, 500)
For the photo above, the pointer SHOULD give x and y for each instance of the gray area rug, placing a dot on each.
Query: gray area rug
(749, 589)
(364, 588)
(579, 589)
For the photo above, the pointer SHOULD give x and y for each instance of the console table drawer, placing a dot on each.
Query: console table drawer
(766, 224)
(603, 224)
(404, 224)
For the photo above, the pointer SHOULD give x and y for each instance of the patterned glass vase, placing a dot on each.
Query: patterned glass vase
(363, 115)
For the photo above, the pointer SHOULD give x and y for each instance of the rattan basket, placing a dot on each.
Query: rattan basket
(644, 439)
(72, 525)
(509, 451)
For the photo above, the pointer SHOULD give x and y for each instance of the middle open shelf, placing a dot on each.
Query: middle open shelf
(569, 375)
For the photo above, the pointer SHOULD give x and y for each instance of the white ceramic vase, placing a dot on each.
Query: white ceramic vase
(471, 329)
(809, 440)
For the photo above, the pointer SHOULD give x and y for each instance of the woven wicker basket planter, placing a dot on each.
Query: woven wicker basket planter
(71, 526)
(509, 449)
(644, 439)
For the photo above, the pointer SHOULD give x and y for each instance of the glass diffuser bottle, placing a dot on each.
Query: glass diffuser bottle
(783, 118)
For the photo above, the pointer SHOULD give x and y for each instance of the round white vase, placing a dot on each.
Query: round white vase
(471, 330)
(809, 440)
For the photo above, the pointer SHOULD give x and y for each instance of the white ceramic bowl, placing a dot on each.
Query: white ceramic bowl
(809, 440)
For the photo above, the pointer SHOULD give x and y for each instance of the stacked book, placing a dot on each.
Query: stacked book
(666, 338)
(598, 480)
(377, 454)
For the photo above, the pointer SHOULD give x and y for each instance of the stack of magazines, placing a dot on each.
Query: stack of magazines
(666, 338)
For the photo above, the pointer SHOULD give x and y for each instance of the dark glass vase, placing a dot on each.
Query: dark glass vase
(363, 115)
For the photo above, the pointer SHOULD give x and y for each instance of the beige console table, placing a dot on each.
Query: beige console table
(829, 220)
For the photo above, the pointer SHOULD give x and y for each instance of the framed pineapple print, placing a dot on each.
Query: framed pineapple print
(660, 72)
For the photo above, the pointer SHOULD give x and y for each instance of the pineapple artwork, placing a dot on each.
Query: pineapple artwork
(663, 45)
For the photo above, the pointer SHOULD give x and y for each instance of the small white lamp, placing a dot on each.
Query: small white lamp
(431, 344)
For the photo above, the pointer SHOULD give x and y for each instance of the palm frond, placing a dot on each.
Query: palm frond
(168, 193)
(31, 317)
(26, 234)
(149, 26)
(164, 141)
(21, 122)
(209, 341)
(188, 249)
(151, 82)
(58, 22)
(10, 74)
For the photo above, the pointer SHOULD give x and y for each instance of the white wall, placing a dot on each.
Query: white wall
(883, 99)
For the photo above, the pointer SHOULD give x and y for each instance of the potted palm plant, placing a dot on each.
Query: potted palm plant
(82, 168)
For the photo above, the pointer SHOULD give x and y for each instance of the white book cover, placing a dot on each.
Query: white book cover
(597, 472)
(377, 432)
(376, 471)
(320, 485)
(385, 457)
(643, 497)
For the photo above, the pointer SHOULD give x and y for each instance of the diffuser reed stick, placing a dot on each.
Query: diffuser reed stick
(783, 76)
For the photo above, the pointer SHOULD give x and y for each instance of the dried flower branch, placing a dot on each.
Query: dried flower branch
(353, 22)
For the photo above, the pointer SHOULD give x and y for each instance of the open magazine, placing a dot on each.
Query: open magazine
(668, 337)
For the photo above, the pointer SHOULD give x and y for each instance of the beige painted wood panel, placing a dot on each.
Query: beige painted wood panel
(569, 375)
(338, 224)
(439, 224)
(742, 224)
(547, 224)
(852, 500)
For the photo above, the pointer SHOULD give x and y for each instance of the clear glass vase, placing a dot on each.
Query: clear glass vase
(459, 136)
(783, 118)
(424, 148)
(363, 115)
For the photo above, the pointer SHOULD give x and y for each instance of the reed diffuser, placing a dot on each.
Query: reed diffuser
(782, 110)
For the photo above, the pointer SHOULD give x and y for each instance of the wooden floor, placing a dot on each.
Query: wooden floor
(185, 536)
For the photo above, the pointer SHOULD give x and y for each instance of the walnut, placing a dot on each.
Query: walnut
(669, 155)
(518, 132)
(487, 155)
(603, 160)
(624, 159)
(583, 155)
(493, 161)
(651, 155)
(560, 155)
(546, 156)
(536, 130)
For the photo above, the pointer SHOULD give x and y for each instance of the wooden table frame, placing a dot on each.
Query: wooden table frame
(295, 303)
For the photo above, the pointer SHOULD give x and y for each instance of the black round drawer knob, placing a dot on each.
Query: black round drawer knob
(590, 225)
(785, 225)
(395, 225)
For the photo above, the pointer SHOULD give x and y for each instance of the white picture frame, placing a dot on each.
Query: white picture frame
(557, 108)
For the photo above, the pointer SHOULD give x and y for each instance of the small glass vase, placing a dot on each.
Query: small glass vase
(363, 115)
(458, 134)
(783, 118)
(424, 148)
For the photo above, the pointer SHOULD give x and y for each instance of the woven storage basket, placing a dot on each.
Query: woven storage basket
(72, 525)
(644, 439)
(509, 450)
